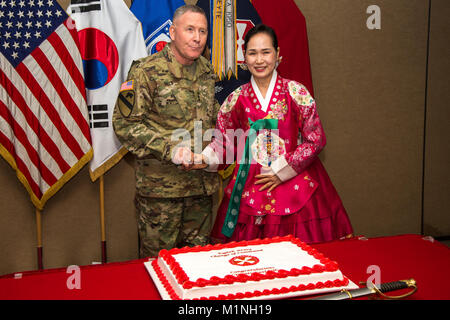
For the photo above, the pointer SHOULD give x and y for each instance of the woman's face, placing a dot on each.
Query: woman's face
(261, 56)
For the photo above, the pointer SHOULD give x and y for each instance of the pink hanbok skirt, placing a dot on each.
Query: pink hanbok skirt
(323, 217)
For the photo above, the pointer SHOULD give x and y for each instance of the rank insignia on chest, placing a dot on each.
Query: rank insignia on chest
(126, 98)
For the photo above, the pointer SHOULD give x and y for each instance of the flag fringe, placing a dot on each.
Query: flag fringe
(225, 173)
(39, 203)
(108, 164)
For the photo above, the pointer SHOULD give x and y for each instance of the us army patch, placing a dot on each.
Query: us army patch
(126, 98)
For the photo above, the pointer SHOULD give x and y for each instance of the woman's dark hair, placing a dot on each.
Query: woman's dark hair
(261, 28)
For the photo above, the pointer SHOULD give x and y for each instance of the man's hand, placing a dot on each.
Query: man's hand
(182, 156)
(187, 160)
(196, 162)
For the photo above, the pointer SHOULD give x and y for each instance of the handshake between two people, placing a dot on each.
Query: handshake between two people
(187, 160)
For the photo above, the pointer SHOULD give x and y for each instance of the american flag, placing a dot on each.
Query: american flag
(127, 85)
(44, 130)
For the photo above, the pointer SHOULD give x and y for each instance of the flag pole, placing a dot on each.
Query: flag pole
(102, 217)
(39, 238)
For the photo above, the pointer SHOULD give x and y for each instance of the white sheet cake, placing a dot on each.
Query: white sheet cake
(247, 269)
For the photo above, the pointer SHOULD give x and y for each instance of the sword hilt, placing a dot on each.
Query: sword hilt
(372, 289)
(391, 286)
(396, 285)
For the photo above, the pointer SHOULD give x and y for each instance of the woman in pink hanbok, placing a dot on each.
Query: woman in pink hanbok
(271, 128)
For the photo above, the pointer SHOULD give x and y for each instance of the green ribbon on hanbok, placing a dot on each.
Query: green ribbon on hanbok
(244, 167)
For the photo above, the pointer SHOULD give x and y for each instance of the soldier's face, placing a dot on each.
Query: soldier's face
(188, 34)
(261, 56)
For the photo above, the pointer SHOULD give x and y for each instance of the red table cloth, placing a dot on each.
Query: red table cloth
(388, 258)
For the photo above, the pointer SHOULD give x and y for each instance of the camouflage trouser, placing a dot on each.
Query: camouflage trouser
(166, 223)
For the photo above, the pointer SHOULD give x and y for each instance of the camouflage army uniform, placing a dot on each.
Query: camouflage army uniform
(161, 96)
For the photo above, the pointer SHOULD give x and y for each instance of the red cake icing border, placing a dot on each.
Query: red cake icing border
(186, 283)
(248, 294)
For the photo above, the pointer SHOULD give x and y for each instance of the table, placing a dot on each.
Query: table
(391, 258)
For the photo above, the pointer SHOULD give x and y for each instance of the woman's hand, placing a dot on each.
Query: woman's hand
(270, 181)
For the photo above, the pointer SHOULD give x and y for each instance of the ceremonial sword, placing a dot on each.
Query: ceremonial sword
(380, 289)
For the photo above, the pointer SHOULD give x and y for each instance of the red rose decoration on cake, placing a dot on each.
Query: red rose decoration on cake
(244, 261)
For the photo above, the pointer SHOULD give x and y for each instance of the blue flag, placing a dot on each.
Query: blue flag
(156, 19)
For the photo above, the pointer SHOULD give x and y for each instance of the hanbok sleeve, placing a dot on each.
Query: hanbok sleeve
(312, 135)
(223, 149)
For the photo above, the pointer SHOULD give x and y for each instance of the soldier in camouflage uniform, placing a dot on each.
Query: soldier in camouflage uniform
(168, 91)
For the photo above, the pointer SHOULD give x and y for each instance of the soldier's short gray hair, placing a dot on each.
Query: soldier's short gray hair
(188, 8)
